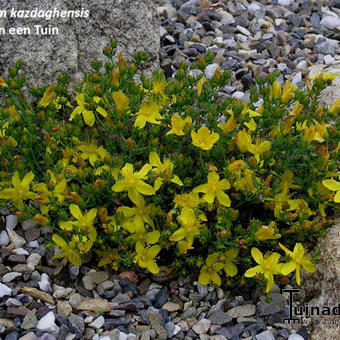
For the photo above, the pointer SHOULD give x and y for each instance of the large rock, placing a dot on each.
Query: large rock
(133, 23)
(331, 93)
(324, 286)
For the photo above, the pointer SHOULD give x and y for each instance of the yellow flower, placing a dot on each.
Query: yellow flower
(20, 190)
(164, 169)
(82, 221)
(243, 141)
(142, 236)
(268, 266)
(229, 126)
(203, 139)
(332, 185)
(335, 107)
(178, 124)
(251, 125)
(237, 166)
(324, 76)
(190, 227)
(68, 251)
(288, 92)
(80, 109)
(246, 181)
(148, 112)
(190, 200)
(158, 83)
(214, 189)
(298, 258)
(133, 181)
(108, 256)
(48, 96)
(199, 86)
(2, 83)
(259, 148)
(267, 232)
(92, 152)
(121, 101)
(145, 257)
(210, 271)
(275, 90)
(229, 266)
(135, 217)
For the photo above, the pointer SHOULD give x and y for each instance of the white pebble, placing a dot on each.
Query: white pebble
(4, 290)
(285, 2)
(11, 221)
(46, 323)
(33, 260)
(4, 239)
(329, 60)
(16, 240)
(330, 22)
(297, 78)
(44, 284)
(10, 276)
(98, 323)
(210, 70)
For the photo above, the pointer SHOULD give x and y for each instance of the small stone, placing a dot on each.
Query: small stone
(243, 310)
(33, 260)
(98, 323)
(46, 323)
(10, 277)
(266, 335)
(171, 307)
(303, 331)
(30, 320)
(44, 284)
(29, 336)
(330, 22)
(329, 60)
(11, 221)
(95, 304)
(77, 322)
(37, 294)
(4, 239)
(210, 70)
(4, 290)
(132, 276)
(91, 279)
(285, 2)
(8, 324)
(295, 337)
(202, 326)
(297, 78)
(302, 67)
(219, 318)
(63, 308)
(12, 336)
(16, 240)
(271, 304)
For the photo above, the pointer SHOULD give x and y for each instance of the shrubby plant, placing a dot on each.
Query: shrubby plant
(168, 172)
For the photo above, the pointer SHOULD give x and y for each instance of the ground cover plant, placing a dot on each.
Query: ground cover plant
(168, 172)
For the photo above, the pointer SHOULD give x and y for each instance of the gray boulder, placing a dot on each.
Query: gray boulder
(322, 288)
(133, 23)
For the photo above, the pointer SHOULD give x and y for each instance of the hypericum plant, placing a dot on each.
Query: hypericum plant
(169, 172)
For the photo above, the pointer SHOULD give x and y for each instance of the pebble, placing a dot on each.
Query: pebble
(11, 221)
(4, 239)
(330, 22)
(202, 326)
(266, 335)
(46, 323)
(210, 70)
(4, 290)
(98, 323)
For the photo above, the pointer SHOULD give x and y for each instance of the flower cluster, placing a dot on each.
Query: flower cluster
(166, 172)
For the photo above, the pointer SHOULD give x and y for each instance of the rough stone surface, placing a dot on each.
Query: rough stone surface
(133, 23)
